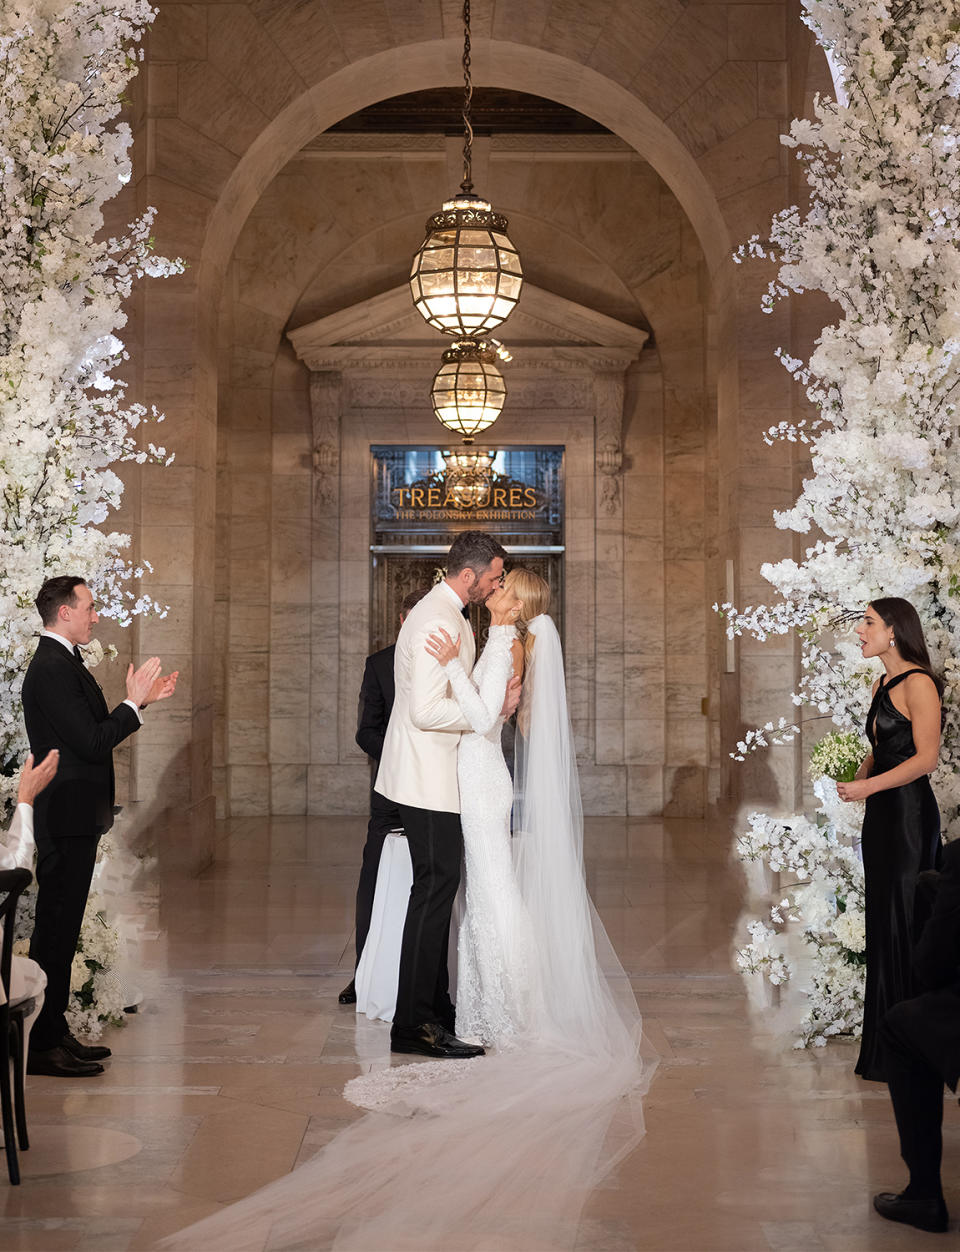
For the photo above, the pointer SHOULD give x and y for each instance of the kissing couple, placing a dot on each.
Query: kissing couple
(527, 964)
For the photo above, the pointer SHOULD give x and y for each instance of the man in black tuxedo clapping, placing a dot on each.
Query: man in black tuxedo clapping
(65, 709)
(921, 1039)
(376, 701)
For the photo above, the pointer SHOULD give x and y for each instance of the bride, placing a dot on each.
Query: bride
(527, 951)
(501, 1151)
(496, 950)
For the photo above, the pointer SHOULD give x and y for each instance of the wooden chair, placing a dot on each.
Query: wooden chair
(13, 882)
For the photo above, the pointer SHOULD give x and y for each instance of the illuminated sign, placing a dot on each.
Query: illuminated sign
(506, 499)
(521, 488)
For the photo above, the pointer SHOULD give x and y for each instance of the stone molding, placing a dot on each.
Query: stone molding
(564, 393)
(433, 147)
(404, 361)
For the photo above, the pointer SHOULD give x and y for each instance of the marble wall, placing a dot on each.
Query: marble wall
(231, 99)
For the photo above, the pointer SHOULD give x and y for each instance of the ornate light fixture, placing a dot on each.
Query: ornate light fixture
(466, 277)
(468, 476)
(468, 391)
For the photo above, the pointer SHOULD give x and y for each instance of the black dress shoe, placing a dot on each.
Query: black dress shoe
(59, 1063)
(431, 1039)
(924, 1214)
(448, 1019)
(349, 994)
(84, 1051)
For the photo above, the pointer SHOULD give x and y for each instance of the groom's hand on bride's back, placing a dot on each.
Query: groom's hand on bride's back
(512, 697)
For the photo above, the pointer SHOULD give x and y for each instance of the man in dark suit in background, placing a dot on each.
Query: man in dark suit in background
(921, 1041)
(64, 708)
(376, 701)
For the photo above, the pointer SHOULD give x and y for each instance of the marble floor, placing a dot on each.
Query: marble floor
(230, 1075)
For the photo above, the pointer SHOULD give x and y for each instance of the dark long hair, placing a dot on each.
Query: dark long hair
(902, 618)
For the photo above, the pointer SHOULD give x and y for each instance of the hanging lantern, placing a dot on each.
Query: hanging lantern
(467, 476)
(466, 277)
(468, 391)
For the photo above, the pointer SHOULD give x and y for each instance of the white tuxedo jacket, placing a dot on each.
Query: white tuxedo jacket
(419, 762)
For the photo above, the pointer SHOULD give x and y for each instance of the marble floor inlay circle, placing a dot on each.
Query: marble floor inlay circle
(67, 1149)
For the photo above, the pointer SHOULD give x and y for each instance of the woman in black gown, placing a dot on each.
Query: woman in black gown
(901, 827)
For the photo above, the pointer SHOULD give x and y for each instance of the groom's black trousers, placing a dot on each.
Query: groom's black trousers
(64, 870)
(436, 846)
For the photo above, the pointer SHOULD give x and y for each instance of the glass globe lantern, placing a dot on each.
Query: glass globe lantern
(468, 390)
(466, 277)
(467, 475)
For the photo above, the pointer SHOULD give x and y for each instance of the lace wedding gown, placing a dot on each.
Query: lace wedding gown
(496, 952)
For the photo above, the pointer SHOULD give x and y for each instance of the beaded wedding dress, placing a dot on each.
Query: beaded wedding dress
(502, 1151)
(496, 962)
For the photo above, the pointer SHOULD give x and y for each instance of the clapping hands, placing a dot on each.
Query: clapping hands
(147, 685)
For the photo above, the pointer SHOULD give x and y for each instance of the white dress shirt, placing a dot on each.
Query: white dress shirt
(52, 634)
(16, 845)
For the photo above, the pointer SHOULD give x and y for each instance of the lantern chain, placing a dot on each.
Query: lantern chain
(467, 184)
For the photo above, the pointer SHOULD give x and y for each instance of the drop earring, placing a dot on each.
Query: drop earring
(893, 642)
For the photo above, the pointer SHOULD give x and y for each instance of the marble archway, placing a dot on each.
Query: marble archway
(614, 749)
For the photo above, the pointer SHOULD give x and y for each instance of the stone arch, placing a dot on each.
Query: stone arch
(434, 64)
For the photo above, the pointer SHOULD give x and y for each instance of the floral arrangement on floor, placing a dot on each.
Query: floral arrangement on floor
(64, 418)
(881, 238)
(823, 895)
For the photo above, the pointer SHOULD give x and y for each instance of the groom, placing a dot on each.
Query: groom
(418, 772)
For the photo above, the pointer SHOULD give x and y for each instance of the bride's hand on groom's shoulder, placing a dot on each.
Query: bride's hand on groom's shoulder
(441, 647)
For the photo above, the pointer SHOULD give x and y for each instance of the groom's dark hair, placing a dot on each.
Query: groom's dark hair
(54, 592)
(472, 549)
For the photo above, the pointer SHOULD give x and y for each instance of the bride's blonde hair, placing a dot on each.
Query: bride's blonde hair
(534, 593)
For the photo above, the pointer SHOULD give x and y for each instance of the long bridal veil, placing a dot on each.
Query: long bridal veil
(589, 1005)
(499, 1152)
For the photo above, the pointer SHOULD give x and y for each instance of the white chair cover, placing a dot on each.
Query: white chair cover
(379, 967)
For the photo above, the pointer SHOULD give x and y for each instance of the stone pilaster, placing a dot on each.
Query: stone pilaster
(328, 630)
(608, 394)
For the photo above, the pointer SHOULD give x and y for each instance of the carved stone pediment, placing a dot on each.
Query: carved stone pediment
(544, 331)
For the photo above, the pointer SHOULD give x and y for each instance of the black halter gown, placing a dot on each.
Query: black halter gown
(901, 837)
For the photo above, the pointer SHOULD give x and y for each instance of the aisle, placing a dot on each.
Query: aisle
(232, 1073)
